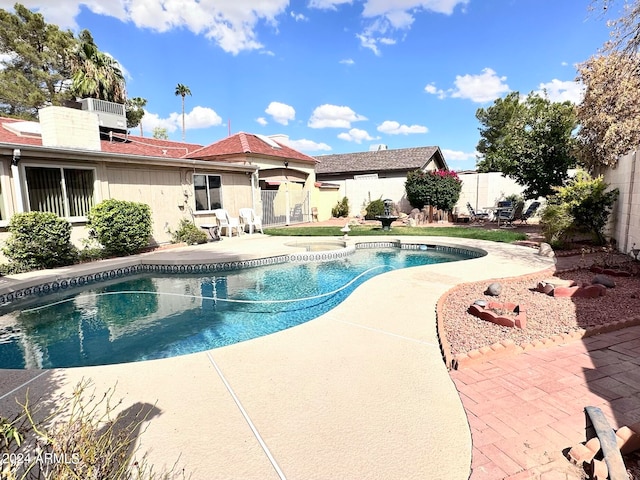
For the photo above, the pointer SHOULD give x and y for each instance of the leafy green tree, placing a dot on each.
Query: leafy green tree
(96, 74)
(440, 188)
(529, 140)
(182, 91)
(35, 63)
(134, 108)
(160, 133)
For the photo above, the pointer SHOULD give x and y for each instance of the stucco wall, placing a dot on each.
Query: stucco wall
(485, 189)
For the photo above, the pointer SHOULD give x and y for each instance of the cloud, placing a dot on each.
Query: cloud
(262, 121)
(347, 61)
(281, 112)
(199, 117)
(431, 89)
(333, 116)
(458, 155)
(561, 91)
(389, 17)
(355, 135)
(305, 145)
(328, 4)
(229, 23)
(392, 127)
(481, 88)
(298, 17)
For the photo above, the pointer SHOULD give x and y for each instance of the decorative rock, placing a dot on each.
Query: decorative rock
(546, 288)
(559, 282)
(545, 250)
(480, 303)
(601, 279)
(494, 289)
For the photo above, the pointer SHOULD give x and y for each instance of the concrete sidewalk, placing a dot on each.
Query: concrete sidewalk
(358, 393)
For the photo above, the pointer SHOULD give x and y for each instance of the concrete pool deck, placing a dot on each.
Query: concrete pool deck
(360, 392)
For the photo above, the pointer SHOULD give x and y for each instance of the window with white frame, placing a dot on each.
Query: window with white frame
(65, 191)
(207, 192)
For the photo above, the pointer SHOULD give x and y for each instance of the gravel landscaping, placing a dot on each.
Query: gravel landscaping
(546, 315)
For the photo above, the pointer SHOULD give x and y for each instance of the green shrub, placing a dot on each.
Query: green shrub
(38, 240)
(188, 233)
(587, 201)
(341, 209)
(121, 227)
(375, 207)
(556, 222)
(439, 188)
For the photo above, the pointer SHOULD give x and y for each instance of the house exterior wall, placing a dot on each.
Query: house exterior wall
(624, 222)
(168, 191)
(361, 191)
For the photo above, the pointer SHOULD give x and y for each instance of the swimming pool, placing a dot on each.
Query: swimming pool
(155, 315)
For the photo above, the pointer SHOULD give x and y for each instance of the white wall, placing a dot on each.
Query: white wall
(624, 222)
(485, 189)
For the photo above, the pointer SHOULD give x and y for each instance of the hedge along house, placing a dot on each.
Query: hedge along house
(73, 159)
(376, 174)
(285, 177)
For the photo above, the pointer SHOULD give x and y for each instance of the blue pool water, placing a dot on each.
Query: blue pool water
(154, 316)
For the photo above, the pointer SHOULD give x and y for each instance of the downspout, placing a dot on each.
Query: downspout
(629, 198)
(17, 184)
(253, 190)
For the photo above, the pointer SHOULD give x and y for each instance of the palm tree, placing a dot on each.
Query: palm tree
(96, 74)
(183, 91)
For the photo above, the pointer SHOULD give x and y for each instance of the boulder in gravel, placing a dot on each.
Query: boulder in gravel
(601, 279)
(493, 289)
(545, 250)
(480, 303)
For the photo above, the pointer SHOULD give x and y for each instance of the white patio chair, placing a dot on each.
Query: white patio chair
(228, 223)
(248, 218)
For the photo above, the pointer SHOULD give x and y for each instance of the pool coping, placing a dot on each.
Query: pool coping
(341, 396)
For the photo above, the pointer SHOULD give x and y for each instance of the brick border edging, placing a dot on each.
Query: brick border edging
(509, 347)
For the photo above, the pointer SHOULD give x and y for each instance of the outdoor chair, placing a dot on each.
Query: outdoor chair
(226, 222)
(476, 216)
(249, 220)
(510, 215)
(530, 211)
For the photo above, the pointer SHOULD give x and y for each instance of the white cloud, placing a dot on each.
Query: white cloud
(298, 17)
(328, 4)
(355, 135)
(230, 23)
(262, 121)
(391, 127)
(281, 113)
(199, 117)
(458, 155)
(333, 116)
(304, 145)
(564, 64)
(431, 89)
(347, 61)
(561, 91)
(481, 88)
(390, 16)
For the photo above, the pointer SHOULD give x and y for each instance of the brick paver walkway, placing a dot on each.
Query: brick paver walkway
(526, 410)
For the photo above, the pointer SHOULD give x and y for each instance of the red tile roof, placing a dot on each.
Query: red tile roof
(238, 144)
(247, 144)
(120, 144)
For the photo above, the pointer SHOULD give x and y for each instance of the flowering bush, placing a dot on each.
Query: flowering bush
(440, 188)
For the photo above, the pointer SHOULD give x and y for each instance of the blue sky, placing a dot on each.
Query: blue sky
(337, 76)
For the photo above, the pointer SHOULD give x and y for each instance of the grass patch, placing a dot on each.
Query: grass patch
(505, 236)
